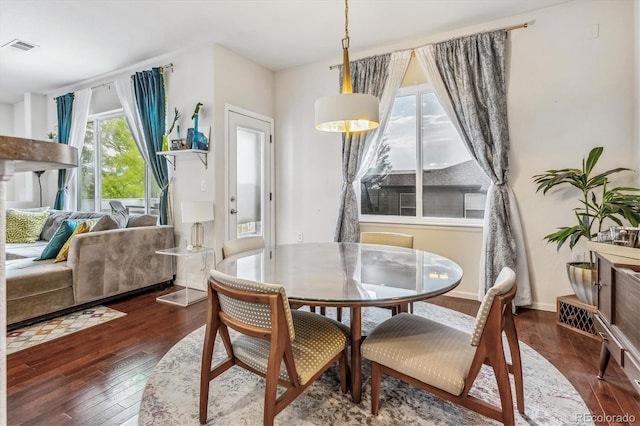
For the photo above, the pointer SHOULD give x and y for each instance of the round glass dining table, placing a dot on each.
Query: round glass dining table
(348, 275)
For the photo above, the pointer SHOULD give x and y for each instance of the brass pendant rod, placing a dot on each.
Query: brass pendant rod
(346, 74)
(507, 29)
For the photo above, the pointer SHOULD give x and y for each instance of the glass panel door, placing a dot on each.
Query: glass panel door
(250, 193)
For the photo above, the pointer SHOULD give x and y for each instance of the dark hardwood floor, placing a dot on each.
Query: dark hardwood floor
(97, 376)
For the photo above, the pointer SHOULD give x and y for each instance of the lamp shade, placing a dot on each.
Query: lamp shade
(347, 112)
(197, 211)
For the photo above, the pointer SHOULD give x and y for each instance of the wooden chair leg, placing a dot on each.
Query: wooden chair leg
(501, 372)
(342, 365)
(271, 387)
(323, 311)
(339, 314)
(516, 361)
(376, 379)
(205, 372)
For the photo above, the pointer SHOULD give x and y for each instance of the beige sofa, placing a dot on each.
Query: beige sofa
(100, 265)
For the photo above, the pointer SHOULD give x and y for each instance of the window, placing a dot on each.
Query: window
(111, 168)
(423, 169)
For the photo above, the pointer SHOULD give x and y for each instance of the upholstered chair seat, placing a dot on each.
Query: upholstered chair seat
(316, 343)
(423, 349)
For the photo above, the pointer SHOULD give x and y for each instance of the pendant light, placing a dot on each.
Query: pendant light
(346, 112)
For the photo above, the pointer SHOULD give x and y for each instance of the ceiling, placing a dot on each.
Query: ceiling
(81, 40)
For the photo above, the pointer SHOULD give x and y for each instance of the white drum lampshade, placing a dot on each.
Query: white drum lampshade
(197, 212)
(347, 112)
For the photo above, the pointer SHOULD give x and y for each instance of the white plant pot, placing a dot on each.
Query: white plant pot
(582, 275)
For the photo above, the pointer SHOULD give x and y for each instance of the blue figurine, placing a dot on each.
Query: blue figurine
(199, 141)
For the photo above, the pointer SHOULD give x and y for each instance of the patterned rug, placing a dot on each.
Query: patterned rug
(46, 331)
(236, 397)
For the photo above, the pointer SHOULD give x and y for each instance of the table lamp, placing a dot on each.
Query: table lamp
(197, 212)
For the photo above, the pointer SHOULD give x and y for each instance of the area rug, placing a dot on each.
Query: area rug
(46, 331)
(236, 397)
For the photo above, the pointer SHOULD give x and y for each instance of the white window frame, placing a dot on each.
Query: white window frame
(97, 200)
(418, 219)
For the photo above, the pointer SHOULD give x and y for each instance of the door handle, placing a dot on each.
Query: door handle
(233, 211)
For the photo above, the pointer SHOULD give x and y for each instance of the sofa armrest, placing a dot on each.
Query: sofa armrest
(106, 263)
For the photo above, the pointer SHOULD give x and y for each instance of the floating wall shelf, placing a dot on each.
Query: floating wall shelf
(200, 153)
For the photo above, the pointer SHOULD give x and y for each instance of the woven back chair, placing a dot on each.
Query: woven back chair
(289, 348)
(446, 361)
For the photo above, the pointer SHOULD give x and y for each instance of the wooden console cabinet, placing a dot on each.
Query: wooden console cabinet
(617, 319)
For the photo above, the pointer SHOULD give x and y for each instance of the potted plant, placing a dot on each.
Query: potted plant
(598, 204)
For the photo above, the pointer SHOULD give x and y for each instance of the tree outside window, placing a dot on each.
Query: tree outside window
(122, 169)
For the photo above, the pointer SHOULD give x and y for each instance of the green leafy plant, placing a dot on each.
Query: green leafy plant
(597, 201)
(53, 134)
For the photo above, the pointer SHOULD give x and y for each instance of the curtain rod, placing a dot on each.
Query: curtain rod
(413, 53)
(169, 66)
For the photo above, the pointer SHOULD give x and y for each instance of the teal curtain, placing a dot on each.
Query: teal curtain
(64, 105)
(151, 104)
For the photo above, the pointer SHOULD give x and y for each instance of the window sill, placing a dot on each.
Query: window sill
(427, 221)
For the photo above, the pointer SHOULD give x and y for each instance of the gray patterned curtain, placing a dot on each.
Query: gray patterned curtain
(473, 72)
(368, 76)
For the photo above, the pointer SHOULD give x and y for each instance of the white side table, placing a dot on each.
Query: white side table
(186, 296)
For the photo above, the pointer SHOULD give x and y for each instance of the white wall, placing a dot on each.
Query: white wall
(566, 94)
(241, 83)
(308, 162)
(6, 119)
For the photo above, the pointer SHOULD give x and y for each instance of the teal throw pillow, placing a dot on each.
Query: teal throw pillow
(60, 237)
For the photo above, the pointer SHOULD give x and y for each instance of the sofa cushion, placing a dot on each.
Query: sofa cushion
(142, 220)
(59, 238)
(31, 209)
(24, 279)
(105, 223)
(24, 227)
(87, 215)
(118, 220)
(85, 226)
(53, 223)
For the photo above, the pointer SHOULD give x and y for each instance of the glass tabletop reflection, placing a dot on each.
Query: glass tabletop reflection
(347, 273)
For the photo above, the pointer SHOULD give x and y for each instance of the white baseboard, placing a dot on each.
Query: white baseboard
(474, 296)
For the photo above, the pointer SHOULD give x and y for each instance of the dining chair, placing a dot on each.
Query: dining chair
(117, 205)
(289, 348)
(389, 239)
(239, 245)
(446, 361)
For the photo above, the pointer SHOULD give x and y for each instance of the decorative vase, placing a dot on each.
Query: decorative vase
(195, 144)
(582, 276)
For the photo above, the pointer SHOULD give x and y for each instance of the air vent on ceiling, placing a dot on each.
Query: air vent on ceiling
(20, 45)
